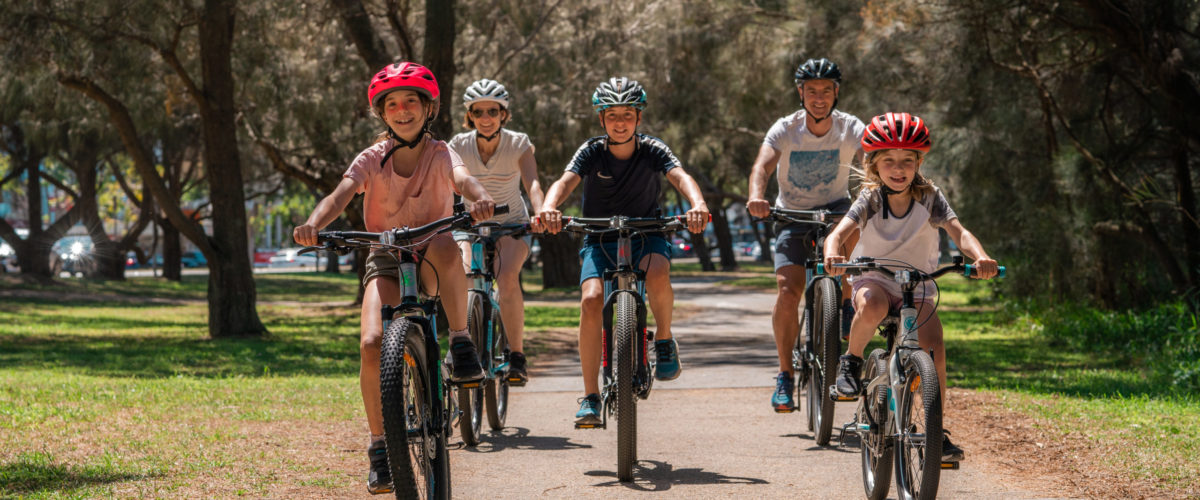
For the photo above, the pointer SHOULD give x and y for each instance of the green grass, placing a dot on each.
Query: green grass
(1153, 428)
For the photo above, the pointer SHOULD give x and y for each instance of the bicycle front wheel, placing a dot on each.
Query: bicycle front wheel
(470, 399)
(624, 355)
(826, 346)
(872, 407)
(417, 452)
(495, 390)
(919, 439)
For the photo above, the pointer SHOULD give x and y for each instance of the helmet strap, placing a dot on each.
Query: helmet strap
(401, 143)
(488, 138)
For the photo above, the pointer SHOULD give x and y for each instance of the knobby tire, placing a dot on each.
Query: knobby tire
(919, 461)
(826, 346)
(625, 337)
(495, 390)
(470, 400)
(420, 462)
(876, 469)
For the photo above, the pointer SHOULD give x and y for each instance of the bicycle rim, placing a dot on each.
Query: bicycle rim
(919, 440)
(826, 344)
(623, 353)
(496, 390)
(876, 458)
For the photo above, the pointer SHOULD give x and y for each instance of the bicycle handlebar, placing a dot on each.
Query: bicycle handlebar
(866, 264)
(597, 225)
(343, 241)
(819, 216)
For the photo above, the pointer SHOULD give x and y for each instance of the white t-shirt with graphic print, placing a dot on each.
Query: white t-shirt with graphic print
(814, 171)
(911, 237)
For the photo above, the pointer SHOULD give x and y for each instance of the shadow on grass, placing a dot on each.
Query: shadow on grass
(34, 476)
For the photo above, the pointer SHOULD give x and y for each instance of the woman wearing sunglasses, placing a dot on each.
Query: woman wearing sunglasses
(502, 160)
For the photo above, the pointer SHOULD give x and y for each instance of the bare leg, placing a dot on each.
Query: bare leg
(659, 293)
(449, 281)
(379, 291)
(931, 339)
(511, 255)
(870, 307)
(591, 304)
(785, 317)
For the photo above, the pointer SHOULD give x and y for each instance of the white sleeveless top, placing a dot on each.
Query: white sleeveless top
(501, 175)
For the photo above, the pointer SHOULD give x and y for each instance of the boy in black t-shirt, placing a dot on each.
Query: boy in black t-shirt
(620, 173)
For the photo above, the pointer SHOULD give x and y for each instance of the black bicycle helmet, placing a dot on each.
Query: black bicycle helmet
(818, 69)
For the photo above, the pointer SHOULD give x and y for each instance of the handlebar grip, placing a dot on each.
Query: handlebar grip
(500, 209)
(820, 269)
(969, 269)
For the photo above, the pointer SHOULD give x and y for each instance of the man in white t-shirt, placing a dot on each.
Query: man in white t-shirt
(813, 150)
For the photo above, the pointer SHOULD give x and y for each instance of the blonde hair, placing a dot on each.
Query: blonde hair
(919, 187)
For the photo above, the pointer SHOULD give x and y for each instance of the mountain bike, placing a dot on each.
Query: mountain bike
(815, 355)
(487, 331)
(899, 416)
(628, 369)
(417, 397)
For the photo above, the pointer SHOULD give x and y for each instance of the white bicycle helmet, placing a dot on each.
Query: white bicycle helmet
(619, 91)
(486, 90)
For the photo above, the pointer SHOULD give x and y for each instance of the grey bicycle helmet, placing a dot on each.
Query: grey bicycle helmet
(818, 69)
(619, 91)
(486, 90)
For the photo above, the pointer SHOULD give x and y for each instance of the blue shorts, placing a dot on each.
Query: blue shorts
(601, 257)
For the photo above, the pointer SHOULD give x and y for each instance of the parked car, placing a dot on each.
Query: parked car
(75, 256)
(193, 258)
(681, 248)
(262, 256)
(290, 257)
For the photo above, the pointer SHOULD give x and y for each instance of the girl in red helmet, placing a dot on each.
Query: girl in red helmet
(407, 178)
(898, 213)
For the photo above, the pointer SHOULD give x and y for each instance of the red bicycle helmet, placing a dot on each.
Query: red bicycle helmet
(896, 131)
(402, 76)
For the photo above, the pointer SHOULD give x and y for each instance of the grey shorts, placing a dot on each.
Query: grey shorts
(795, 243)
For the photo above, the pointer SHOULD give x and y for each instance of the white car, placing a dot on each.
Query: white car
(290, 257)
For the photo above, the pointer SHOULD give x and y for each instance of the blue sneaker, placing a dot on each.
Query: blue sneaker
(668, 366)
(782, 401)
(589, 410)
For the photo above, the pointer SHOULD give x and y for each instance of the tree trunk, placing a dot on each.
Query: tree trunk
(231, 289)
(438, 55)
(560, 260)
(724, 239)
(358, 29)
(1186, 197)
(107, 261)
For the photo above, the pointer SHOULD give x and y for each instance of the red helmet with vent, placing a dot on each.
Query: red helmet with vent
(896, 131)
(402, 76)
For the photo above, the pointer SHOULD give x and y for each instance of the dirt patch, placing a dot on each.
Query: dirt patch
(1026, 451)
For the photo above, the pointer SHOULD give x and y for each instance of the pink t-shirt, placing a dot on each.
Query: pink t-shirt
(390, 200)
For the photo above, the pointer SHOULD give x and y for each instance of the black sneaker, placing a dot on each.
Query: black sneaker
(379, 480)
(516, 369)
(464, 362)
(849, 373)
(950, 452)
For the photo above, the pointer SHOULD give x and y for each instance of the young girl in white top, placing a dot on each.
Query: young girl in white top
(502, 160)
(898, 213)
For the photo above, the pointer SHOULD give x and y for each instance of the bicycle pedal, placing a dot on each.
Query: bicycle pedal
(843, 399)
(589, 426)
(950, 465)
(471, 385)
(784, 410)
(516, 382)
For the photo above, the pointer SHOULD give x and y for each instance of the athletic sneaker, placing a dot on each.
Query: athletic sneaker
(464, 362)
(668, 366)
(782, 401)
(516, 370)
(589, 410)
(849, 373)
(379, 480)
(847, 318)
(950, 452)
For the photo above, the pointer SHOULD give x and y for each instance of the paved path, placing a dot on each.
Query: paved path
(709, 434)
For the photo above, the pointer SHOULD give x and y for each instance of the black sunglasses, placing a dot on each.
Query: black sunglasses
(492, 112)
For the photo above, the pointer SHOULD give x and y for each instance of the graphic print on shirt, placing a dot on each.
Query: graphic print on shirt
(808, 170)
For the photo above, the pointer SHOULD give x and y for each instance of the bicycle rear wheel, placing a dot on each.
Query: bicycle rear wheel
(417, 452)
(918, 444)
(800, 368)
(826, 346)
(876, 457)
(470, 399)
(624, 356)
(495, 390)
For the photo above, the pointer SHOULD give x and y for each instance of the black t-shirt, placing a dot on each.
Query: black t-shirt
(622, 187)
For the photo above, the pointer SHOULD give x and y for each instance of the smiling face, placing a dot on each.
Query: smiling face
(404, 111)
(896, 168)
(819, 96)
(487, 116)
(620, 122)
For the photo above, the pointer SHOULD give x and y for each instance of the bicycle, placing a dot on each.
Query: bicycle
(627, 366)
(418, 405)
(488, 333)
(899, 417)
(815, 357)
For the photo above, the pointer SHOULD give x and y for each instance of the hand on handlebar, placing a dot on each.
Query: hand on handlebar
(758, 208)
(697, 218)
(305, 235)
(482, 209)
(985, 268)
(550, 219)
(830, 268)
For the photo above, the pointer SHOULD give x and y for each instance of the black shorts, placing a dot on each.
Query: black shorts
(795, 243)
